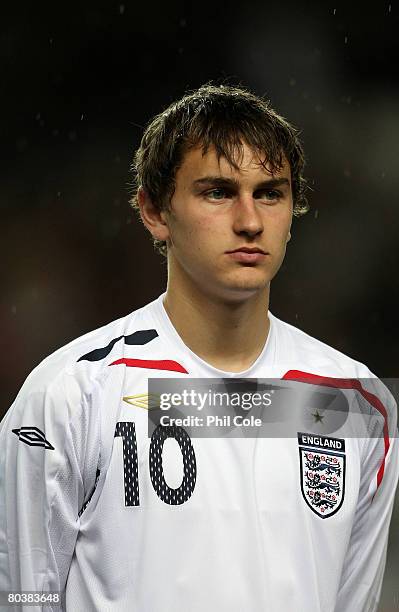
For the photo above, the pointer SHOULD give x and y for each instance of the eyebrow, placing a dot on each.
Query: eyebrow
(220, 181)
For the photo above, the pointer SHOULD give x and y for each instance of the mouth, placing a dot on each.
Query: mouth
(245, 249)
(247, 254)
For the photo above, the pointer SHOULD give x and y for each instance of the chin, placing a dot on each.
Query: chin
(249, 280)
(238, 292)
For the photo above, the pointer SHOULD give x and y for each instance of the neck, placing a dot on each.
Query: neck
(229, 335)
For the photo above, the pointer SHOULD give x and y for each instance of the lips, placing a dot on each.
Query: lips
(248, 255)
(248, 250)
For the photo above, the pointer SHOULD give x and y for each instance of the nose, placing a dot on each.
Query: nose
(247, 218)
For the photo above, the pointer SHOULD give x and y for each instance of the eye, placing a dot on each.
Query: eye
(216, 194)
(271, 195)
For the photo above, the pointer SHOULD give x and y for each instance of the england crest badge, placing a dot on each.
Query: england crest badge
(322, 471)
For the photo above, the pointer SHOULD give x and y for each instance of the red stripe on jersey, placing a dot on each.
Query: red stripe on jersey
(152, 364)
(347, 383)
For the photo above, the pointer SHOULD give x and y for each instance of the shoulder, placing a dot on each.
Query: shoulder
(307, 353)
(303, 358)
(71, 372)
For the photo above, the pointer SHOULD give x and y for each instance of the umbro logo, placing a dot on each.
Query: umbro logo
(33, 436)
(147, 401)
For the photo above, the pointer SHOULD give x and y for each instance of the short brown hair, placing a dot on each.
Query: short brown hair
(223, 117)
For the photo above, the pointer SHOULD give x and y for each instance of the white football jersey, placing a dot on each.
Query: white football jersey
(93, 507)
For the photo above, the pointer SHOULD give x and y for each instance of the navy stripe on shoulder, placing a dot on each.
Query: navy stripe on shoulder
(143, 336)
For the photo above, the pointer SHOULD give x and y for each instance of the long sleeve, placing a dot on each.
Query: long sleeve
(48, 457)
(362, 575)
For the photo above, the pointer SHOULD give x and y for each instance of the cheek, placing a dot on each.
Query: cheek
(279, 226)
(198, 231)
(188, 237)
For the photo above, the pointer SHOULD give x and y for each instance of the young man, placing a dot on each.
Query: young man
(93, 507)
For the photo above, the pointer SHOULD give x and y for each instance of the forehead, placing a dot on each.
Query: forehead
(248, 161)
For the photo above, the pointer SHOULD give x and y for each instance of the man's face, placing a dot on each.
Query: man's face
(216, 210)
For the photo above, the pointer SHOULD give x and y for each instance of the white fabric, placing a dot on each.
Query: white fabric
(244, 541)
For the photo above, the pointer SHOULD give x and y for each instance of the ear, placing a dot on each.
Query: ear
(288, 237)
(152, 217)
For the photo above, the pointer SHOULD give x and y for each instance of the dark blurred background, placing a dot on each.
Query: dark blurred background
(78, 83)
